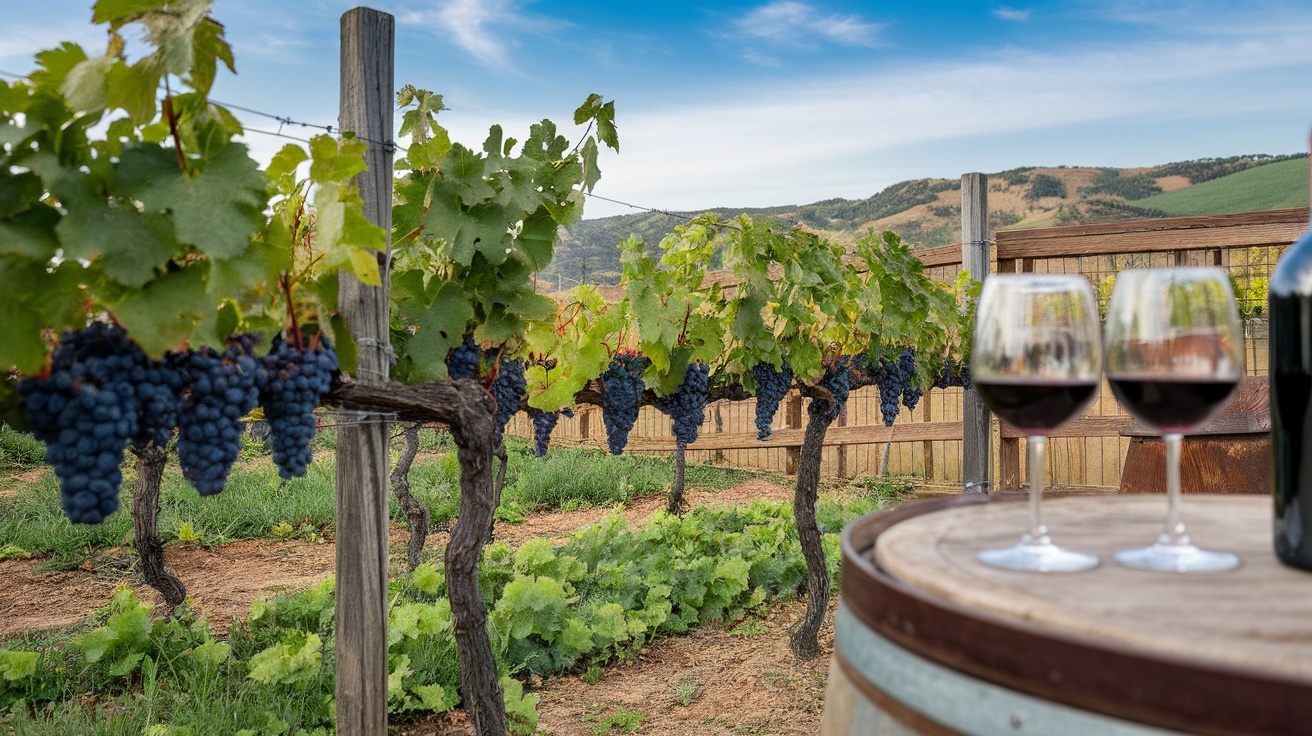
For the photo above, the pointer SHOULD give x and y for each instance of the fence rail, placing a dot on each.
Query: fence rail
(928, 442)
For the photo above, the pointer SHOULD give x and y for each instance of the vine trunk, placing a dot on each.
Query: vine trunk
(416, 513)
(804, 638)
(145, 526)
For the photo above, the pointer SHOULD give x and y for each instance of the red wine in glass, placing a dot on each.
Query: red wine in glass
(1035, 405)
(1173, 404)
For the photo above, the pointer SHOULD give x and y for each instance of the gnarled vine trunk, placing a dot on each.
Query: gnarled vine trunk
(675, 503)
(467, 409)
(145, 526)
(500, 454)
(416, 514)
(804, 638)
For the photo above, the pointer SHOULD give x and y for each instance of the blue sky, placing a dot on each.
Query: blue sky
(792, 101)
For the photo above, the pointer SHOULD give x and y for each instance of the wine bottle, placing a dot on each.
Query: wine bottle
(1290, 311)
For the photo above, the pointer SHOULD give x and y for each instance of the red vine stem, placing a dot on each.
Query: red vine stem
(172, 117)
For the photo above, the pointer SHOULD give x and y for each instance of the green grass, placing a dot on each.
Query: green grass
(19, 450)
(258, 504)
(1267, 187)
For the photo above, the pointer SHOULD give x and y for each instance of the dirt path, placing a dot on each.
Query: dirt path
(224, 581)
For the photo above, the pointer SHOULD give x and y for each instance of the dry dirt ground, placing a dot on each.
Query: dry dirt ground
(740, 682)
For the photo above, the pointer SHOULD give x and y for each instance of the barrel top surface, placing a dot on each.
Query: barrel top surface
(1255, 617)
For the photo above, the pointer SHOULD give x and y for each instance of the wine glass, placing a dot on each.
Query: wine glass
(1175, 354)
(1036, 362)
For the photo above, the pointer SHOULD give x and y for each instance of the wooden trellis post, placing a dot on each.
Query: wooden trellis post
(976, 418)
(367, 100)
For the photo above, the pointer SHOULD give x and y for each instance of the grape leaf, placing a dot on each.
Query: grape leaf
(119, 12)
(133, 88)
(439, 327)
(164, 314)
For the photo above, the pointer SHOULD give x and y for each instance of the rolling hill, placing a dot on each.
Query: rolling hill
(927, 212)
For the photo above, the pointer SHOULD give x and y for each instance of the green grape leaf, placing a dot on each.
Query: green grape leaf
(55, 64)
(132, 88)
(334, 161)
(217, 210)
(348, 355)
(84, 85)
(209, 47)
(462, 171)
(285, 161)
(164, 314)
(31, 234)
(591, 173)
(439, 327)
(21, 344)
(119, 12)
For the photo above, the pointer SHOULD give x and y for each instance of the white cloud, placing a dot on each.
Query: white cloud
(833, 137)
(797, 25)
(487, 29)
(1006, 13)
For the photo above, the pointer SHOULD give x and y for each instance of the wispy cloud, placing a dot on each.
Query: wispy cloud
(792, 24)
(487, 29)
(836, 136)
(1007, 13)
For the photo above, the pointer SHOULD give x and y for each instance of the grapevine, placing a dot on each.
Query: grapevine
(771, 386)
(621, 397)
(837, 379)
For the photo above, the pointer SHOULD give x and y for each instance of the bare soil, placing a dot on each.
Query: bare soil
(733, 681)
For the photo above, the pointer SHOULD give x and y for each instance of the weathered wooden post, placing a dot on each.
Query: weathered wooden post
(367, 100)
(976, 419)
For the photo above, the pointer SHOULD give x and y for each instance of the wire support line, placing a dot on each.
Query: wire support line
(273, 133)
(11, 75)
(667, 213)
(390, 146)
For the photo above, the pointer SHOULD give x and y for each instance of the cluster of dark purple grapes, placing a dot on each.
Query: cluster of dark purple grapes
(892, 382)
(291, 382)
(220, 391)
(621, 397)
(87, 411)
(837, 379)
(687, 405)
(771, 386)
(911, 392)
(508, 389)
(462, 362)
(543, 423)
(953, 374)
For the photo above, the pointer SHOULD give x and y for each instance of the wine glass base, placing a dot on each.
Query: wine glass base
(1177, 558)
(1032, 557)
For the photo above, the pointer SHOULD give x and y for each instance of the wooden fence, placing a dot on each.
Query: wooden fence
(929, 442)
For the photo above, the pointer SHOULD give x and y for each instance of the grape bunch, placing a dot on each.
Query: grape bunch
(158, 384)
(837, 380)
(906, 361)
(952, 374)
(508, 389)
(291, 382)
(220, 391)
(687, 405)
(621, 397)
(85, 410)
(462, 362)
(892, 382)
(771, 386)
(543, 423)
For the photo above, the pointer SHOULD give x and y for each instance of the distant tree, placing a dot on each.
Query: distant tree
(1043, 185)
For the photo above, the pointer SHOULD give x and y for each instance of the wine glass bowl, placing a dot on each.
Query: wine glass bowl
(1036, 362)
(1174, 359)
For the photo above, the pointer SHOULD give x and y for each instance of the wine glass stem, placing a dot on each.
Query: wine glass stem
(1174, 519)
(1038, 532)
